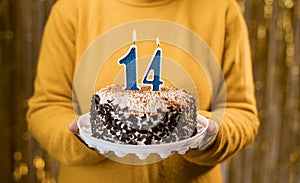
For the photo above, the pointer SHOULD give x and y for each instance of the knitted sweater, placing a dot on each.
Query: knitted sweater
(74, 28)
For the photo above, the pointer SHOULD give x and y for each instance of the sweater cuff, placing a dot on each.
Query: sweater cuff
(86, 156)
(206, 114)
(205, 157)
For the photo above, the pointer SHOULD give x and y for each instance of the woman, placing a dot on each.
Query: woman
(72, 29)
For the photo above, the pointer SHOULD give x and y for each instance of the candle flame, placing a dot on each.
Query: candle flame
(134, 36)
(157, 41)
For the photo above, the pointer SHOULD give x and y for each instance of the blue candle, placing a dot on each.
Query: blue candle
(155, 66)
(129, 60)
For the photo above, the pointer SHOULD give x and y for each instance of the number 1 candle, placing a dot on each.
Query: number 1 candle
(129, 60)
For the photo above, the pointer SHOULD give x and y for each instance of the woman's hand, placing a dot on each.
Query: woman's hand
(73, 127)
(211, 132)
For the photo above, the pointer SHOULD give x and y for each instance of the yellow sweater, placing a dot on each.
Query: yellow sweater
(74, 28)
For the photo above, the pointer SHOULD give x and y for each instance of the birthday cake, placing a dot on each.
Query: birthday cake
(142, 117)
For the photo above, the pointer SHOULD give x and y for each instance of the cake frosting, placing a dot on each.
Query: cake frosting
(142, 116)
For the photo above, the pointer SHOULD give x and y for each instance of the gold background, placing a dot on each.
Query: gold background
(274, 30)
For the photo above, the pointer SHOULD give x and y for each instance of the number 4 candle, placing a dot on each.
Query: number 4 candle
(156, 67)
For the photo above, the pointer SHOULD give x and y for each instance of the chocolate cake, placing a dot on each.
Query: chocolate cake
(142, 116)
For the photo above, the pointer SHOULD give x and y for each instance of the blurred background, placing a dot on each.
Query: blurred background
(274, 30)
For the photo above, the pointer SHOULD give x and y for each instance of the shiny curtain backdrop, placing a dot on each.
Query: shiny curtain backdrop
(274, 30)
(21, 26)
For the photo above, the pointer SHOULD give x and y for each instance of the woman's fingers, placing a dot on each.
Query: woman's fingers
(73, 127)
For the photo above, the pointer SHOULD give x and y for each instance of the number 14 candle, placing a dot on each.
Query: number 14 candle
(130, 62)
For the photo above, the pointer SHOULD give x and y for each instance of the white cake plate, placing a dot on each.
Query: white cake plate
(141, 151)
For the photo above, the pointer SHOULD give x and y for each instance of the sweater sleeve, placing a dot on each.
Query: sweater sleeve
(50, 108)
(240, 122)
